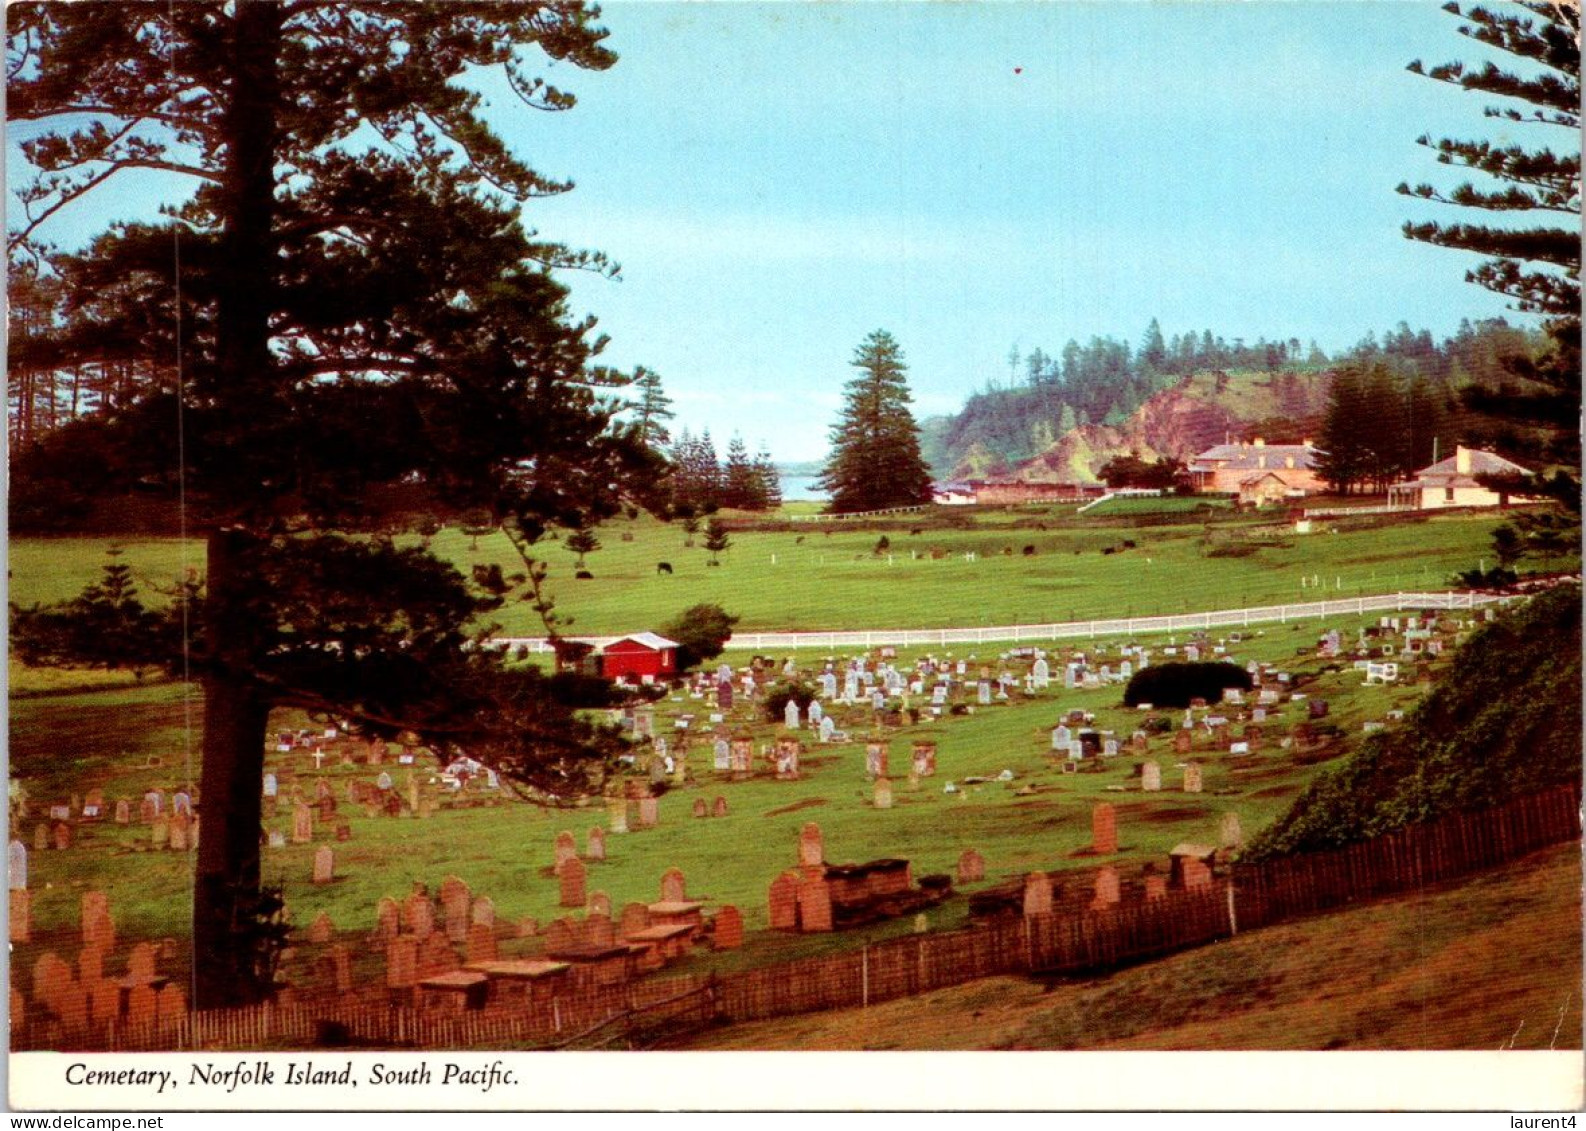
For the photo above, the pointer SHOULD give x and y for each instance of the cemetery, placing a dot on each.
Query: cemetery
(968, 794)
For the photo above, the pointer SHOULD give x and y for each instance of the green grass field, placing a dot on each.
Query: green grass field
(1040, 820)
(817, 578)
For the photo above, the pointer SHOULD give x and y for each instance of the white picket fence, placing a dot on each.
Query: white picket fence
(1122, 626)
(853, 516)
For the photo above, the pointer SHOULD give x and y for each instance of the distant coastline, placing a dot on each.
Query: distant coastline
(799, 481)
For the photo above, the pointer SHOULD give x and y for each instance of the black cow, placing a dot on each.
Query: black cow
(663, 567)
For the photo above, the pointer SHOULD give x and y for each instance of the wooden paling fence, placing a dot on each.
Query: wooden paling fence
(1065, 942)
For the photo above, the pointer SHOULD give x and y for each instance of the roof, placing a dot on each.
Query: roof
(648, 639)
(1254, 479)
(1199, 851)
(1481, 463)
(1248, 457)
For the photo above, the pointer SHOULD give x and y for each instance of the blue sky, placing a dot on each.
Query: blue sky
(778, 180)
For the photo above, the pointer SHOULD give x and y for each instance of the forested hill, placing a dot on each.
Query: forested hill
(1060, 418)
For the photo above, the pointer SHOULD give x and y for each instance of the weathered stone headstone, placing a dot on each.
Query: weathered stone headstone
(572, 883)
(701, 809)
(63, 836)
(321, 930)
(673, 887)
(790, 715)
(811, 852)
(718, 807)
(596, 843)
(1037, 894)
(971, 867)
(324, 865)
(17, 865)
(21, 915)
(419, 913)
(721, 755)
(123, 812)
(617, 811)
(783, 902)
(388, 918)
(1150, 777)
(1231, 834)
(814, 904)
(481, 943)
(1192, 778)
(599, 931)
(635, 918)
(1183, 742)
(924, 761)
(302, 824)
(882, 793)
(876, 759)
(649, 812)
(1107, 890)
(599, 903)
(566, 849)
(402, 962)
(1103, 829)
(728, 928)
(179, 841)
(41, 837)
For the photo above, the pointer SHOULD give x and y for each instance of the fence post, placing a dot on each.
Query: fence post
(864, 976)
(1233, 921)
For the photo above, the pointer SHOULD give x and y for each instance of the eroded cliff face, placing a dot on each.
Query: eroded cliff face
(1181, 422)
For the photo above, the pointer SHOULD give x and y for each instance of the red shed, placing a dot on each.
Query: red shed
(643, 656)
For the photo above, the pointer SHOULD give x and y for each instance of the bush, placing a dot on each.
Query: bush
(1174, 685)
(701, 632)
(776, 699)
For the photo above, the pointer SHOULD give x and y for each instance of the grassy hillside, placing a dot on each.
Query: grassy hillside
(1504, 723)
(1484, 964)
(805, 577)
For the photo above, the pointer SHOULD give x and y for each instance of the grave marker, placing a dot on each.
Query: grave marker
(572, 884)
(971, 867)
(1103, 829)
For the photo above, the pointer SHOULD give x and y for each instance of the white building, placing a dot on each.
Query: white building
(1452, 482)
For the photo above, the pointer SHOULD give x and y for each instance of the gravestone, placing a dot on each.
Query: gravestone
(572, 884)
(271, 788)
(41, 837)
(617, 811)
(719, 807)
(559, 936)
(388, 918)
(324, 865)
(1150, 777)
(1155, 887)
(649, 812)
(783, 902)
(814, 904)
(721, 755)
(63, 836)
(635, 918)
(1107, 890)
(1037, 894)
(1183, 742)
(1231, 834)
(599, 903)
(302, 824)
(876, 759)
(321, 930)
(728, 929)
(673, 887)
(420, 914)
(787, 758)
(481, 943)
(1192, 778)
(971, 867)
(123, 812)
(141, 963)
(566, 849)
(924, 760)
(599, 931)
(17, 865)
(178, 832)
(811, 853)
(882, 793)
(21, 916)
(742, 754)
(1103, 829)
(790, 715)
(402, 962)
(595, 844)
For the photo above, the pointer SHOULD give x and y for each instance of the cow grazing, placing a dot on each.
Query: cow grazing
(663, 567)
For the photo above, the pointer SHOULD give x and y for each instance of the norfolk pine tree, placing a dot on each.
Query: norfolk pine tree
(353, 316)
(875, 462)
(1534, 254)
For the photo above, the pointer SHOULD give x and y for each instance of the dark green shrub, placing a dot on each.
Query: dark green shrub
(1175, 684)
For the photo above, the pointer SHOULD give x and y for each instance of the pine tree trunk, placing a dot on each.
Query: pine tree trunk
(236, 712)
(235, 720)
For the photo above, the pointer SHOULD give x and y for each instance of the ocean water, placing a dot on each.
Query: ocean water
(798, 485)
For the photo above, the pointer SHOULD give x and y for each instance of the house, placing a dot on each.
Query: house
(1263, 488)
(952, 494)
(644, 657)
(1225, 468)
(1452, 482)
